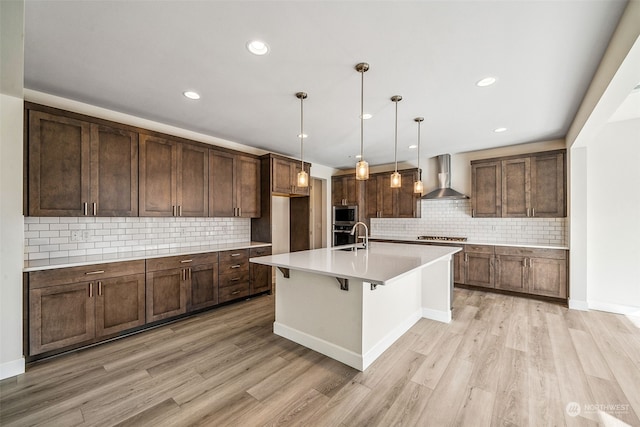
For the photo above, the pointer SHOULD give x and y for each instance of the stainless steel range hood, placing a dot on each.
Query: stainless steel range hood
(445, 192)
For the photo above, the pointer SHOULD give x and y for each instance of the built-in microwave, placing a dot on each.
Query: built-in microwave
(345, 215)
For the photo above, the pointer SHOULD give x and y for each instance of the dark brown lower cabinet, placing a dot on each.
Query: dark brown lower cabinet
(166, 294)
(70, 306)
(203, 291)
(479, 266)
(260, 275)
(532, 270)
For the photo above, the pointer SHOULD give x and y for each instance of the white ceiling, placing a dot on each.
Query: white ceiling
(137, 57)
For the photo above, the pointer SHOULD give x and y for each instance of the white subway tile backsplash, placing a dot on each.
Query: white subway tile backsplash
(453, 218)
(50, 237)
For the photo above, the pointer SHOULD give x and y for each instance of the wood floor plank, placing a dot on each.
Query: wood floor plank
(503, 360)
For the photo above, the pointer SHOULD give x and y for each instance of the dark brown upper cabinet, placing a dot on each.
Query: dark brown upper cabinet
(78, 168)
(174, 178)
(382, 201)
(235, 185)
(345, 190)
(284, 176)
(531, 185)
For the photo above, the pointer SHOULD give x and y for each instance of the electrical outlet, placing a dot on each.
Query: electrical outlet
(85, 235)
(75, 236)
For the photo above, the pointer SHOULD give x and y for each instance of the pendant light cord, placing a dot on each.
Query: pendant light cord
(396, 137)
(302, 132)
(419, 170)
(362, 115)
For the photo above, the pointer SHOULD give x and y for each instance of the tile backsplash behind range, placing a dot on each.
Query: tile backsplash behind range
(453, 218)
(53, 237)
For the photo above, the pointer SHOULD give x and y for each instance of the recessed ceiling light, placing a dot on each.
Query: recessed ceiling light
(487, 81)
(191, 94)
(304, 135)
(498, 130)
(258, 47)
(413, 146)
(366, 116)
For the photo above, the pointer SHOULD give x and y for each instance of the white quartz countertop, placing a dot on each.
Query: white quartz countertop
(379, 263)
(470, 242)
(76, 261)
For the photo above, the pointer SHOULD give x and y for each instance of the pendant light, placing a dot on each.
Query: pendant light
(396, 179)
(418, 186)
(362, 167)
(303, 176)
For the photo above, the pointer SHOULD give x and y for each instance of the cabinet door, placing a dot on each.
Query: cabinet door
(59, 162)
(193, 180)
(158, 176)
(548, 187)
(516, 188)
(479, 269)
(60, 316)
(281, 171)
(407, 200)
(338, 191)
(222, 192)
(204, 286)
(486, 198)
(248, 186)
(120, 304)
(386, 196)
(458, 268)
(260, 276)
(351, 190)
(371, 198)
(114, 172)
(548, 277)
(511, 273)
(166, 294)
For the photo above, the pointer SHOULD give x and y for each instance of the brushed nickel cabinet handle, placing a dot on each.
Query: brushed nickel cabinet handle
(85, 208)
(235, 266)
(473, 213)
(99, 288)
(94, 272)
(236, 254)
(179, 210)
(90, 290)
(533, 211)
(239, 211)
(235, 292)
(235, 279)
(173, 209)
(466, 257)
(189, 274)
(186, 260)
(95, 208)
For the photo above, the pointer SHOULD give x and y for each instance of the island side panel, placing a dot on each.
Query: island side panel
(436, 290)
(313, 311)
(388, 312)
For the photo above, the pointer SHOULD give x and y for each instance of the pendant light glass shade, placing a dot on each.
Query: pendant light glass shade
(303, 177)
(418, 186)
(362, 167)
(396, 179)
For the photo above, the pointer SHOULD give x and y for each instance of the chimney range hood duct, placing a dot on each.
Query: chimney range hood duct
(445, 192)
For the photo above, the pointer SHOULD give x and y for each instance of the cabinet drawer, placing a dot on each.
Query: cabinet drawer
(182, 261)
(532, 252)
(261, 251)
(229, 293)
(85, 273)
(480, 249)
(238, 256)
(232, 267)
(233, 279)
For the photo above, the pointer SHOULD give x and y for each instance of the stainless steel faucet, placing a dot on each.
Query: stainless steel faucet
(366, 233)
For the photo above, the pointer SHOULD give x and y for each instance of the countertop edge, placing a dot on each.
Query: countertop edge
(54, 263)
(471, 242)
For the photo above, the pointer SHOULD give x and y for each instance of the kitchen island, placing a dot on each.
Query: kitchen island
(352, 304)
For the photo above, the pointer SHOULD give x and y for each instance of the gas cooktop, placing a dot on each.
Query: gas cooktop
(443, 238)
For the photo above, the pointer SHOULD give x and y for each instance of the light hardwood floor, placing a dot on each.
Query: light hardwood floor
(502, 361)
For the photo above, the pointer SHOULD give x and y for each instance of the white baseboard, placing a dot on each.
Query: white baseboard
(628, 310)
(12, 368)
(370, 356)
(336, 352)
(440, 316)
(578, 305)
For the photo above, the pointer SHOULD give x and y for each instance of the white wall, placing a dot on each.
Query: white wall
(11, 231)
(613, 217)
